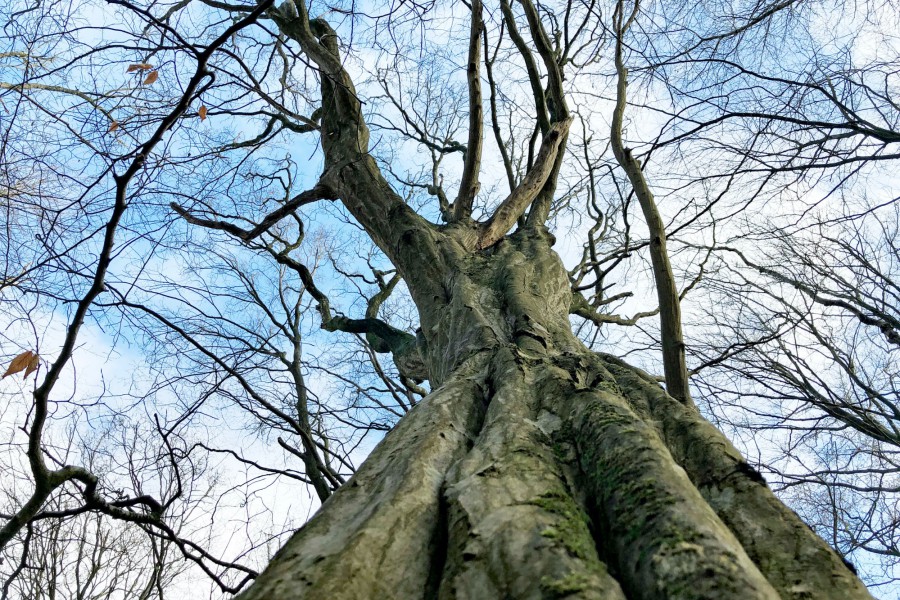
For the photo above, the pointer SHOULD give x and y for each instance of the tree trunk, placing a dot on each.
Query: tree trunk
(537, 469)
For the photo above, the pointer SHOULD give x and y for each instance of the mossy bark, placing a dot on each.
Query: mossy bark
(537, 469)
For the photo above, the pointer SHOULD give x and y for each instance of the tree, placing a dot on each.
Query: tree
(535, 466)
(796, 310)
(815, 346)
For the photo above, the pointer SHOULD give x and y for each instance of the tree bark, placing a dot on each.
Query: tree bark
(537, 469)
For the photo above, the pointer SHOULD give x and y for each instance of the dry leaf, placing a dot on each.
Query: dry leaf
(20, 363)
(202, 113)
(139, 67)
(32, 365)
(113, 126)
(151, 77)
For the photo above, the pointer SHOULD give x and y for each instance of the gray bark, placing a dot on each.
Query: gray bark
(537, 469)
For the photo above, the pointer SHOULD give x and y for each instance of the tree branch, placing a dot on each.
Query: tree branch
(532, 184)
(583, 309)
(468, 187)
(318, 192)
(674, 363)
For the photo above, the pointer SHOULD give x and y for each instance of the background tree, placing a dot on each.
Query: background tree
(795, 308)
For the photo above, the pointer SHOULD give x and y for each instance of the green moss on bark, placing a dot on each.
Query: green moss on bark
(572, 583)
(571, 528)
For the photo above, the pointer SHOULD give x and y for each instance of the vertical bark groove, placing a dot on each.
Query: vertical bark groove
(792, 557)
(377, 535)
(667, 542)
(515, 529)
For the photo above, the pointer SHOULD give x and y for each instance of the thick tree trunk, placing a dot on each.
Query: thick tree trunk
(537, 469)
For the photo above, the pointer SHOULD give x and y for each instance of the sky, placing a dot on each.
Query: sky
(116, 366)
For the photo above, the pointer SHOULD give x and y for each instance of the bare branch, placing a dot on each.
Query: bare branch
(468, 187)
(532, 184)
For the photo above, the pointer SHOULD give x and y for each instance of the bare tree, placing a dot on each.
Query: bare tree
(817, 347)
(535, 467)
(790, 224)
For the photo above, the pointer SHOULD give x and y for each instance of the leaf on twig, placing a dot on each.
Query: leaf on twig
(32, 365)
(151, 77)
(139, 67)
(202, 113)
(113, 126)
(27, 361)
